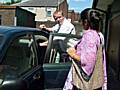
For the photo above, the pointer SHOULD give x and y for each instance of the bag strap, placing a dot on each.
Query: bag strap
(80, 71)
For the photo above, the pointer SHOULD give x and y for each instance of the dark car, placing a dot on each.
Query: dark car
(25, 65)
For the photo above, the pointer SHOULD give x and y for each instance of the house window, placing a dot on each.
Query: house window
(48, 12)
(0, 19)
(31, 8)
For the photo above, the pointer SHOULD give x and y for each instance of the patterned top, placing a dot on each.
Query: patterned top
(87, 49)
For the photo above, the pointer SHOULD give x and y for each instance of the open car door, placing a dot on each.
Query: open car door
(55, 70)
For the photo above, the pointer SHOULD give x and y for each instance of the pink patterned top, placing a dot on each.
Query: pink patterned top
(87, 49)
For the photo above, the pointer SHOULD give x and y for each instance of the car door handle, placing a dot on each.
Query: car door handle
(37, 76)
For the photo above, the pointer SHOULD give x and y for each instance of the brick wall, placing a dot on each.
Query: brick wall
(7, 17)
(12, 16)
(64, 7)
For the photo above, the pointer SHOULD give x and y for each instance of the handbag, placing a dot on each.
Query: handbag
(95, 80)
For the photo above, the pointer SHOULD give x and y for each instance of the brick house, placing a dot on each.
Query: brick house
(77, 17)
(74, 16)
(16, 16)
(44, 9)
(71, 15)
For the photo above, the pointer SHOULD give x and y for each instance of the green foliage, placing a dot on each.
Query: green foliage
(18, 1)
(12, 2)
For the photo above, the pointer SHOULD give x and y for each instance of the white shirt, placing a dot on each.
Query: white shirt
(67, 27)
(101, 37)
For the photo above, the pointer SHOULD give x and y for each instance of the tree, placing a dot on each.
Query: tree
(12, 2)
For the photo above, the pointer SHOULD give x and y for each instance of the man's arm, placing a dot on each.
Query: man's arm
(43, 27)
(44, 43)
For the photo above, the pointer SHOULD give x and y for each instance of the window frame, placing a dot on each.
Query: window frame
(18, 37)
(50, 42)
(48, 12)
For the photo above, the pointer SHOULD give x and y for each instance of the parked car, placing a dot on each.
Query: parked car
(25, 65)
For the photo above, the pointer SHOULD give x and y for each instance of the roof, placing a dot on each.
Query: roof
(40, 3)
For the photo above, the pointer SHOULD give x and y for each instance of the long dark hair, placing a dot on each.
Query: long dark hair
(93, 17)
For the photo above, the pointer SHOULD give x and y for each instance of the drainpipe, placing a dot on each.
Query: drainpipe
(15, 21)
(58, 2)
(94, 3)
(107, 32)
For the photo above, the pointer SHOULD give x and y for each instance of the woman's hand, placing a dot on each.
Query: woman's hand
(72, 53)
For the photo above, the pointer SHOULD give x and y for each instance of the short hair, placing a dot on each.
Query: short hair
(93, 16)
(58, 11)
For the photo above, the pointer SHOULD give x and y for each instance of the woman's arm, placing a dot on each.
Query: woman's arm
(72, 53)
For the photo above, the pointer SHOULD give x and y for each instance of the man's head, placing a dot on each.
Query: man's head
(58, 16)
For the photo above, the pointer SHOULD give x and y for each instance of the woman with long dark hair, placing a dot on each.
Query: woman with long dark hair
(85, 52)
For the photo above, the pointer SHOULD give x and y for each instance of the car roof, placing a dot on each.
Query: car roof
(14, 29)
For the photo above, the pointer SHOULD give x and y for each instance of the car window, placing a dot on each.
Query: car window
(40, 38)
(54, 55)
(21, 54)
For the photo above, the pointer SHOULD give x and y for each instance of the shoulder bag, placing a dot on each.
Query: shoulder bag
(95, 80)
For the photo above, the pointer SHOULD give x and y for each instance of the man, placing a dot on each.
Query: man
(63, 26)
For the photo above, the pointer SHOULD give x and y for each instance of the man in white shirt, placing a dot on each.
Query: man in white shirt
(63, 26)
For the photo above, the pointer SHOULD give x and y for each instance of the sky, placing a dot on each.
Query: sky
(76, 5)
(79, 5)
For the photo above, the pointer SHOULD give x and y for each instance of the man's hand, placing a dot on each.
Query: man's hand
(43, 43)
(42, 26)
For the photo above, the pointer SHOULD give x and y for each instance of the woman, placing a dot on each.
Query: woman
(85, 52)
